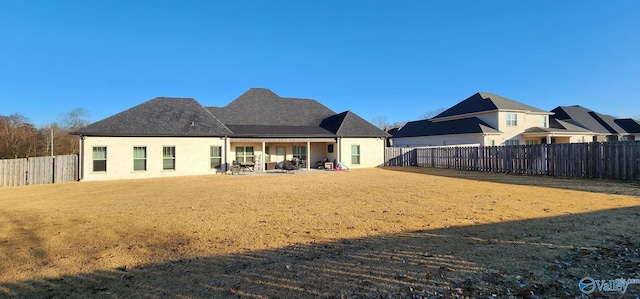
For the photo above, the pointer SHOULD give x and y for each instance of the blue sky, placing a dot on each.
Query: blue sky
(397, 59)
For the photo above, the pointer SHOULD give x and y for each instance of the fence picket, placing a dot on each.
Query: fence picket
(38, 170)
(610, 160)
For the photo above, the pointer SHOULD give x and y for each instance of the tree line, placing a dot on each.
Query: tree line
(383, 123)
(21, 139)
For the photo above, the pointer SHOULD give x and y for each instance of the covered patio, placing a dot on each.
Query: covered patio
(264, 154)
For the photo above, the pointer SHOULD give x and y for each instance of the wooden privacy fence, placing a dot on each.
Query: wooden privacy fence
(38, 170)
(609, 160)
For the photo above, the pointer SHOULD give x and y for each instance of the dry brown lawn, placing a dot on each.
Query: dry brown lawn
(390, 233)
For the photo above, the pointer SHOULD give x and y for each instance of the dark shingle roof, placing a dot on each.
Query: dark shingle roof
(457, 126)
(559, 126)
(257, 113)
(588, 119)
(277, 131)
(349, 124)
(484, 101)
(160, 117)
(260, 106)
(393, 131)
(630, 125)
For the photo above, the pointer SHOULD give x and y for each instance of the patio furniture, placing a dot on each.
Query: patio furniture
(328, 165)
(235, 167)
(289, 165)
(323, 164)
(247, 166)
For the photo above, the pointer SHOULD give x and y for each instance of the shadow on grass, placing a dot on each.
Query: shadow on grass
(546, 256)
(579, 184)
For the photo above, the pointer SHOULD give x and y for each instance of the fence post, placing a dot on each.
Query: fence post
(604, 160)
(414, 157)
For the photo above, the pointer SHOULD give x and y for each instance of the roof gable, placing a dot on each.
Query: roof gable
(485, 101)
(161, 116)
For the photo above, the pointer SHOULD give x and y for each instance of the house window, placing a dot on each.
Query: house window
(355, 154)
(215, 152)
(267, 158)
(532, 142)
(329, 148)
(139, 158)
(512, 119)
(492, 142)
(168, 157)
(544, 121)
(512, 142)
(100, 158)
(244, 154)
(300, 152)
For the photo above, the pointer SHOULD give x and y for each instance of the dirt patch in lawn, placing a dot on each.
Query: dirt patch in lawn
(393, 232)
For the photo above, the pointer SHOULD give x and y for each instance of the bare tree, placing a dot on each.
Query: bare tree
(17, 137)
(60, 138)
(399, 124)
(71, 121)
(382, 122)
(75, 119)
(432, 113)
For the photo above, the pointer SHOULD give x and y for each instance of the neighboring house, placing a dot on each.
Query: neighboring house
(631, 126)
(604, 127)
(179, 136)
(487, 119)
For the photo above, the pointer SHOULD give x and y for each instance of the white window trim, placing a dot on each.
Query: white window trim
(168, 157)
(359, 154)
(145, 158)
(215, 157)
(94, 159)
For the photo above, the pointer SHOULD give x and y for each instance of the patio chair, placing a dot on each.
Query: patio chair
(235, 167)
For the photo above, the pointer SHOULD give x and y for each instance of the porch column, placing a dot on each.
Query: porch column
(227, 148)
(263, 158)
(549, 139)
(339, 154)
(308, 155)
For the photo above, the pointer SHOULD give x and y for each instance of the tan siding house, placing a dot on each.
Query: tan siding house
(487, 119)
(178, 136)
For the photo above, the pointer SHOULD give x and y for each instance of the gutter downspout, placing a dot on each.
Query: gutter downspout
(339, 150)
(226, 156)
(81, 159)
(308, 155)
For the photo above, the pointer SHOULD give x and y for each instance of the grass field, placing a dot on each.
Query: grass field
(392, 232)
